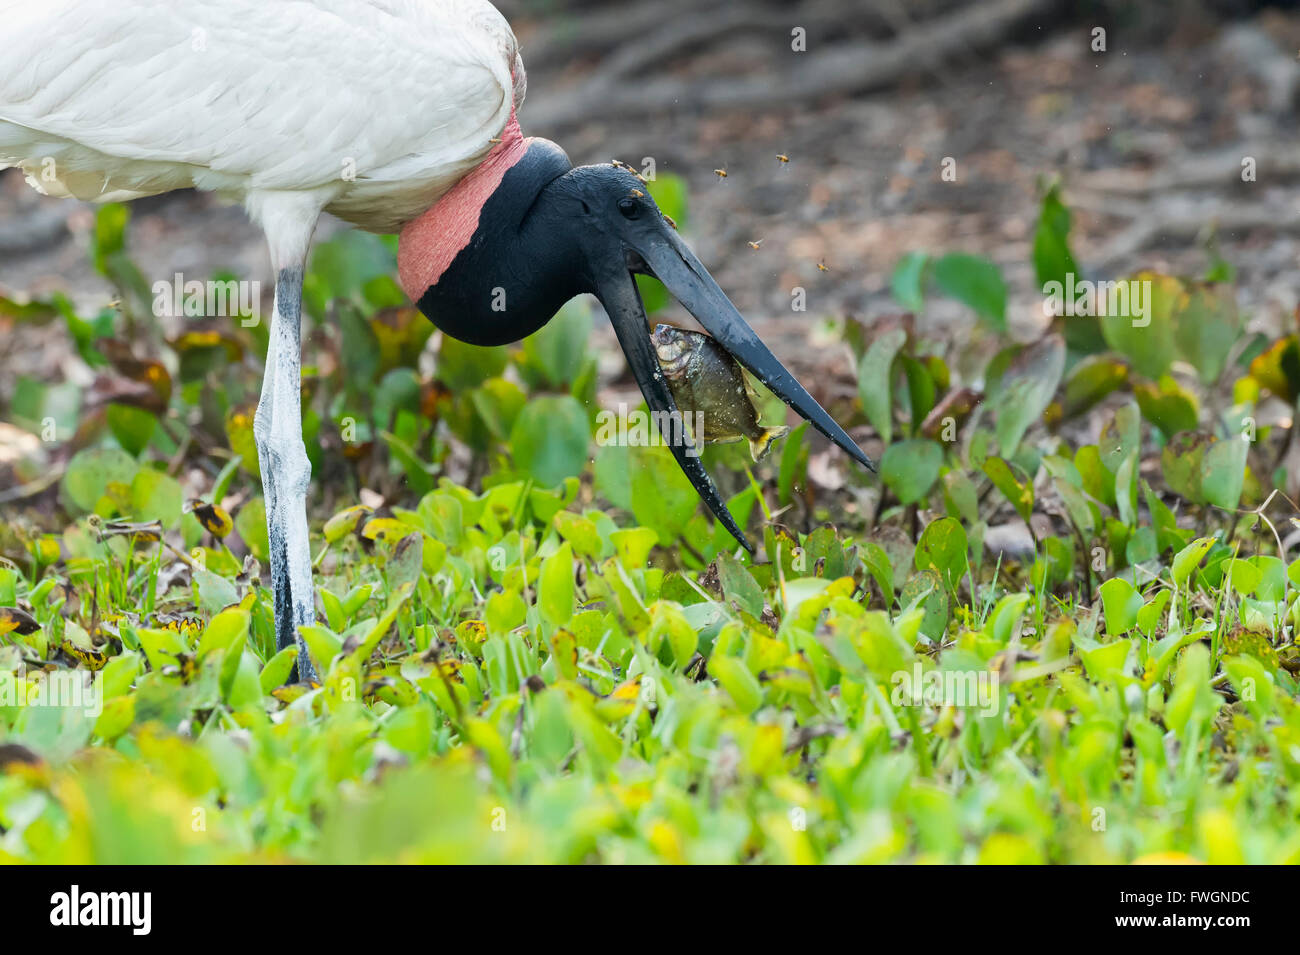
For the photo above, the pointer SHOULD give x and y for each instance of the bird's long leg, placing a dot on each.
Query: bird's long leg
(277, 426)
(286, 471)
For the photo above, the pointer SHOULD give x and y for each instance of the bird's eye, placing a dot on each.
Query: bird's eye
(629, 207)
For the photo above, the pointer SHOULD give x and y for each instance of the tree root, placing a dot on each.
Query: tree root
(841, 69)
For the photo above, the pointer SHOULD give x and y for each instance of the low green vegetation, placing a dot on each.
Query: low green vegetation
(536, 649)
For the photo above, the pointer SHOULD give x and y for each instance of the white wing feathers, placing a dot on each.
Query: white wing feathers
(391, 100)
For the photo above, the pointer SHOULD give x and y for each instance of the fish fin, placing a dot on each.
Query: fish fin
(763, 443)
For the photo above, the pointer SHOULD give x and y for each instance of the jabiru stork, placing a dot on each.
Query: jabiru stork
(395, 116)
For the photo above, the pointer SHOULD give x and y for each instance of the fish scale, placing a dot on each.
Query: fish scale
(709, 386)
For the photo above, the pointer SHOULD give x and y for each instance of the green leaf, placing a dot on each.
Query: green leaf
(1244, 575)
(498, 402)
(1293, 573)
(550, 439)
(120, 673)
(741, 685)
(1187, 559)
(361, 651)
(1148, 615)
(977, 282)
(504, 611)
(1014, 484)
(462, 366)
(881, 569)
(1051, 251)
(1277, 368)
(1223, 472)
(359, 355)
(910, 468)
(212, 592)
(1105, 662)
(632, 545)
(250, 523)
(907, 281)
(406, 560)
(557, 351)
(277, 669)
(683, 639)
(117, 716)
(580, 532)
(397, 390)
(1145, 336)
(738, 585)
(1121, 443)
(1098, 480)
(943, 547)
(1272, 577)
(161, 647)
(925, 590)
(224, 631)
(1002, 621)
(794, 464)
(131, 426)
(614, 474)
(1192, 702)
(922, 389)
(671, 194)
(156, 495)
(1089, 382)
(960, 497)
(1168, 405)
(1206, 327)
(90, 472)
(1253, 684)
(1121, 603)
(1126, 490)
(1168, 534)
(109, 235)
(1084, 514)
(662, 496)
(1026, 389)
(875, 381)
(1182, 460)
(344, 266)
(239, 432)
(382, 291)
(555, 596)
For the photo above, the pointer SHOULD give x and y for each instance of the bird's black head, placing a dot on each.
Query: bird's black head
(481, 257)
(524, 233)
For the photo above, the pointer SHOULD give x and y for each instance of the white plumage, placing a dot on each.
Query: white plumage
(370, 109)
(380, 105)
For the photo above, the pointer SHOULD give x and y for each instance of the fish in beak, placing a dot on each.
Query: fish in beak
(549, 231)
(711, 390)
(635, 237)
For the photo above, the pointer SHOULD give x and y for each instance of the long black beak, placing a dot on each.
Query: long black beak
(618, 293)
(666, 257)
(670, 261)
